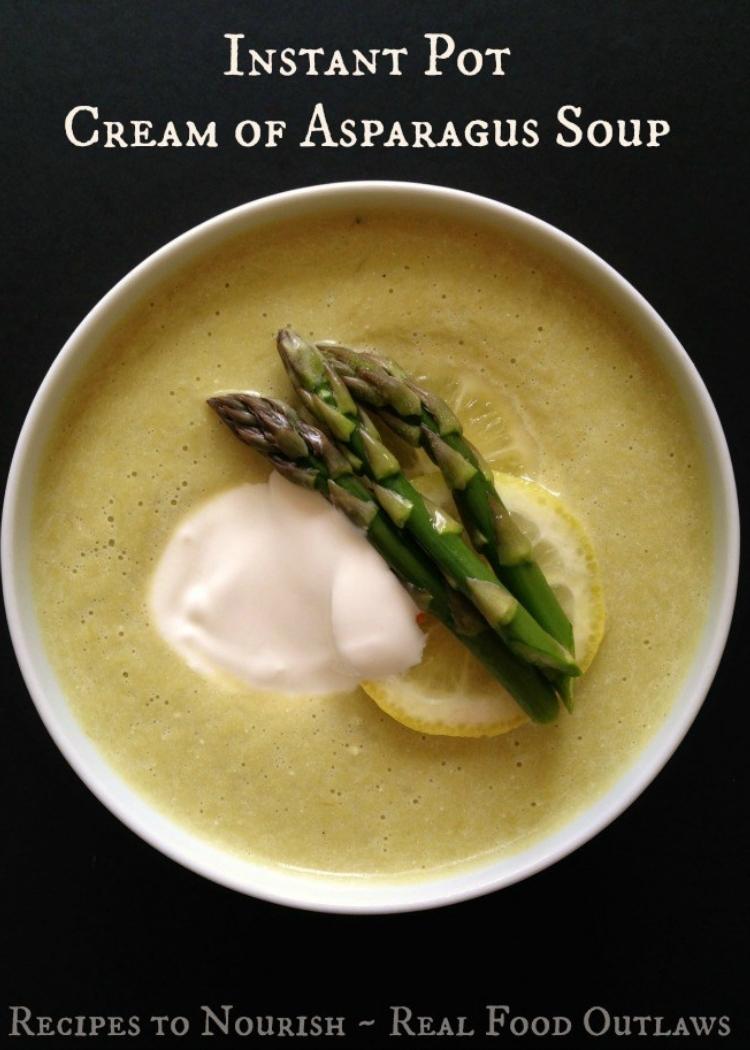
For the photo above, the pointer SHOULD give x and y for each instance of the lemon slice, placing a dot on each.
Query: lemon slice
(449, 693)
(491, 420)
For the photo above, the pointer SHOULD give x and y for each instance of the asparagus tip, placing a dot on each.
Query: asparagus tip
(303, 362)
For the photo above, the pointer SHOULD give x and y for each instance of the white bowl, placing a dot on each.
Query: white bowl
(299, 889)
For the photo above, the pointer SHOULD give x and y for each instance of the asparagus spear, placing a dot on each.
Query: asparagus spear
(327, 397)
(307, 457)
(423, 419)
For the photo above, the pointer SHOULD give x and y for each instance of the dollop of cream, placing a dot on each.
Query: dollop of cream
(270, 584)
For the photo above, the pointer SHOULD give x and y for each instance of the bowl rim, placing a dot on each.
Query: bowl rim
(302, 890)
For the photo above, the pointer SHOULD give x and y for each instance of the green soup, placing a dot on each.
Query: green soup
(332, 784)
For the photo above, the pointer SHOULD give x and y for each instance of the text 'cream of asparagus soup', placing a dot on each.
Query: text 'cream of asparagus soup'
(550, 384)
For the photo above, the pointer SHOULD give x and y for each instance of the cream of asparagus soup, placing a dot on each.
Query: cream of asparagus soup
(574, 414)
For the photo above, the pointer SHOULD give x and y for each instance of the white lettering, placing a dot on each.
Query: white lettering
(370, 64)
(463, 64)
(349, 133)
(20, 1021)
(530, 136)
(318, 124)
(590, 1018)
(241, 137)
(478, 137)
(469, 62)
(70, 133)
(312, 53)
(450, 136)
(512, 139)
(211, 1019)
(288, 65)
(395, 53)
(159, 1020)
(562, 118)
(372, 129)
(274, 132)
(400, 1017)
(658, 128)
(207, 137)
(141, 133)
(593, 135)
(115, 130)
(234, 54)
(438, 56)
(422, 134)
(256, 59)
(396, 136)
(337, 66)
(622, 135)
(497, 53)
(170, 136)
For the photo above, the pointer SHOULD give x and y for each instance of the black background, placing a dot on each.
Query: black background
(650, 917)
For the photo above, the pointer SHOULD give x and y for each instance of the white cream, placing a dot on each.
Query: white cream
(270, 584)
